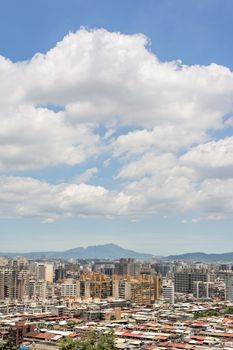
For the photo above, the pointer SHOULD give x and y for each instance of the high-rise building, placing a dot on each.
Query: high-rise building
(14, 283)
(184, 280)
(127, 267)
(97, 286)
(143, 289)
(121, 268)
(121, 289)
(45, 272)
(69, 289)
(229, 286)
(204, 290)
(162, 268)
(168, 293)
(59, 273)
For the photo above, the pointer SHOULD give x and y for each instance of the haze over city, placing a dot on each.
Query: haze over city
(116, 125)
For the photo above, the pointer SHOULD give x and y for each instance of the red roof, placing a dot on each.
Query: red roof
(43, 336)
(228, 335)
(198, 337)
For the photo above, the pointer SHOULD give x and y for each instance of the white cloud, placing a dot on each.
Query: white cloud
(158, 167)
(86, 175)
(31, 138)
(100, 75)
(162, 138)
(28, 197)
(211, 159)
(215, 198)
(102, 82)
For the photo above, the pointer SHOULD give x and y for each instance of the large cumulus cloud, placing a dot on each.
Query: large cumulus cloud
(55, 106)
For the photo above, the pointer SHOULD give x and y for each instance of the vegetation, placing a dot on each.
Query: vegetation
(207, 313)
(212, 313)
(91, 341)
(6, 345)
(71, 324)
(68, 344)
(228, 311)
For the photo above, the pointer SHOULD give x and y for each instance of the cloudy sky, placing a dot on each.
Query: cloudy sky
(116, 124)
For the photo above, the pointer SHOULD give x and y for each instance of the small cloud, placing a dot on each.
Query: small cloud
(109, 133)
(86, 176)
(192, 221)
(107, 162)
(49, 220)
(135, 220)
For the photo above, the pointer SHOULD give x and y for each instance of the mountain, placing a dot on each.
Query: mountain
(106, 251)
(113, 251)
(224, 257)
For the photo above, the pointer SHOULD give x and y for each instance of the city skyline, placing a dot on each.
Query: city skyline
(116, 129)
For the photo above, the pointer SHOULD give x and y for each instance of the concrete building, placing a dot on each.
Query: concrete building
(121, 289)
(162, 268)
(168, 292)
(143, 289)
(44, 272)
(69, 289)
(184, 280)
(229, 286)
(97, 286)
(14, 283)
(204, 290)
(128, 267)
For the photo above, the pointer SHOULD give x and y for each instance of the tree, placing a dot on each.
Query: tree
(68, 344)
(91, 341)
(106, 341)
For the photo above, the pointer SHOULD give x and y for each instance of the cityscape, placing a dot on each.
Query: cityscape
(147, 304)
(116, 174)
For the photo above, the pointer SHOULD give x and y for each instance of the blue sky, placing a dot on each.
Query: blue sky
(195, 31)
(107, 137)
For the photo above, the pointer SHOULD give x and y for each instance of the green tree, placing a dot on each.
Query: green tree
(106, 341)
(68, 344)
(91, 341)
(88, 342)
(228, 310)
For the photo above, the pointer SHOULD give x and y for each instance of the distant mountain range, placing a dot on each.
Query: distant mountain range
(202, 257)
(113, 251)
(106, 251)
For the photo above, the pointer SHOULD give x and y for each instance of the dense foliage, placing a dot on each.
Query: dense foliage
(91, 341)
(212, 313)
